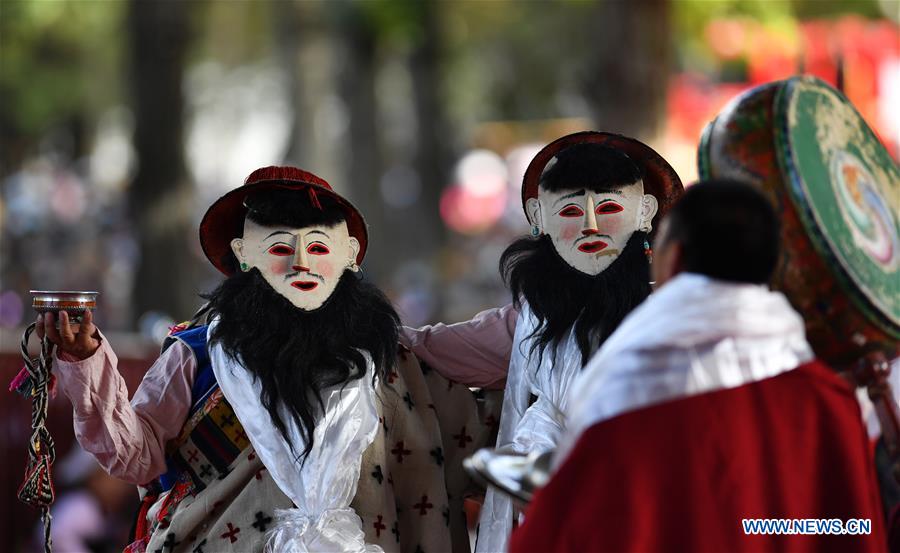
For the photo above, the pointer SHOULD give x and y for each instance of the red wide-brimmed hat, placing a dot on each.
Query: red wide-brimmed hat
(660, 179)
(224, 220)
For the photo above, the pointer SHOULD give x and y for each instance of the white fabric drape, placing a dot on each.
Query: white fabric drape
(694, 335)
(525, 428)
(323, 486)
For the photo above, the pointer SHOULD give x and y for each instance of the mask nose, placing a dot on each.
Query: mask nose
(590, 218)
(300, 261)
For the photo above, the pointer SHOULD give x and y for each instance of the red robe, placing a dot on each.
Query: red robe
(680, 476)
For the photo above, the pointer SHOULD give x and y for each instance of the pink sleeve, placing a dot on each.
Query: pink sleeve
(474, 353)
(128, 439)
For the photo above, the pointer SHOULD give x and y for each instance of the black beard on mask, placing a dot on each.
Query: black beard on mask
(296, 354)
(561, 296)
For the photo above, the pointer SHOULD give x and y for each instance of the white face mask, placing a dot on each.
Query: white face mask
(302, 264)
(590, 229)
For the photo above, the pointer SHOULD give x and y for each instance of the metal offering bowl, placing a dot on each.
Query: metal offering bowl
(72, 302)
(518, 475)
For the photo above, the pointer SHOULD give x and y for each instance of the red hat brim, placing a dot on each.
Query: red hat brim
(224, 220)
(660, 179)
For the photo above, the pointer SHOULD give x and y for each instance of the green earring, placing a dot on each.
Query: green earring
(245, 267)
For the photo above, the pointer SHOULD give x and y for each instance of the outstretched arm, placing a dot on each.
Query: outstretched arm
(474, 353)
(128, 439)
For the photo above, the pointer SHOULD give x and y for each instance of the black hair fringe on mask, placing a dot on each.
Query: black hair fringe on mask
(590, 166)
(293, 208)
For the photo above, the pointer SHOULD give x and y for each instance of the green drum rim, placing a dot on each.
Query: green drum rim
(869, 275)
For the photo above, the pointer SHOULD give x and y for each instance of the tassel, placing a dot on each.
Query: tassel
(21, 383)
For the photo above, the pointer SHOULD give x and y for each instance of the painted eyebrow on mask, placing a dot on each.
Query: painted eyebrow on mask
(572, 195)
(276, 232)
(598, 193)
(325, 234)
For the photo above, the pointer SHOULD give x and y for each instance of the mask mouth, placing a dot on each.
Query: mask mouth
(592, 247)
(304, 285)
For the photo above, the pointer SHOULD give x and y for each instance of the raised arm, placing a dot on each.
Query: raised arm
(128, 439)
(473, 353)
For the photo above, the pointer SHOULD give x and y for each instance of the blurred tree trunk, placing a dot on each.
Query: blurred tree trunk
(287, 32)
(160, 197)
(433, 144)
(433, 141)
(361, 151)
(628, 66)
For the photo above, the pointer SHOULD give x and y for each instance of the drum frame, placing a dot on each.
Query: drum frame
(745, 143)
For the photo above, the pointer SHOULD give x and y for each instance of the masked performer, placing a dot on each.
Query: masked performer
(707, 411)
(290, 419)
(590, 198)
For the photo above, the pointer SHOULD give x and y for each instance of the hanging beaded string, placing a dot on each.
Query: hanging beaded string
(37, 489)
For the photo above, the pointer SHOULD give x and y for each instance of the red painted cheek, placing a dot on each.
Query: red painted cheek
(610, 225)
(569, 232)
(277, 267)
(325, 268)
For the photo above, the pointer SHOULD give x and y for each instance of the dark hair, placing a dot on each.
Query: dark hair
(727, 229)
(591, 166)
(290, 208)
(561, 297)
(296, 354)
(293, 208)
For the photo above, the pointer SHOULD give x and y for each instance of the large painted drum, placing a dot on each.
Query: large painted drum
(837, 190)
